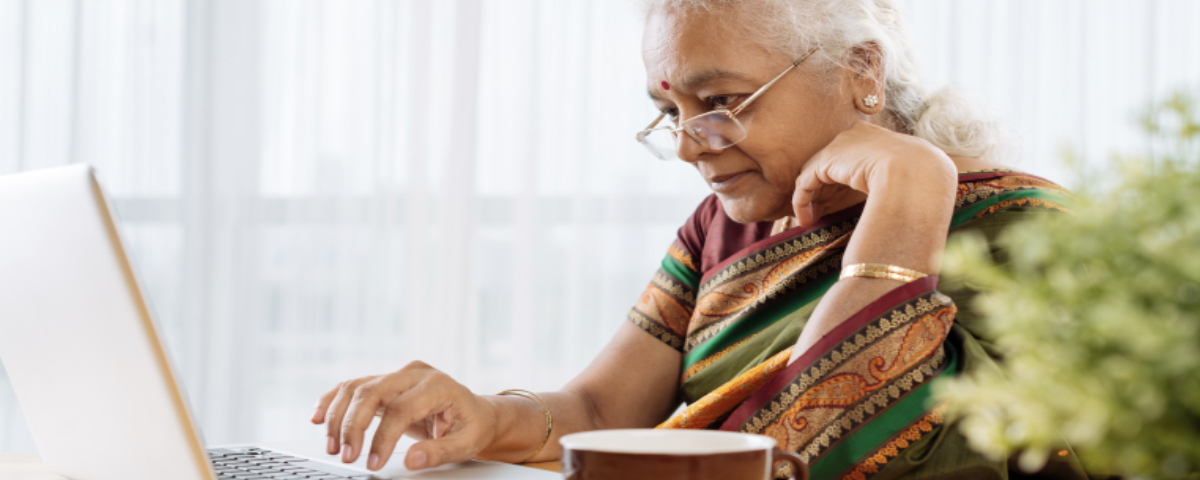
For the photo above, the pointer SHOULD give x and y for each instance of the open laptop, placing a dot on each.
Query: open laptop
(83, 352)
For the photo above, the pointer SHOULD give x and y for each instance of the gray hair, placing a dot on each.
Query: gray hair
(949, 118)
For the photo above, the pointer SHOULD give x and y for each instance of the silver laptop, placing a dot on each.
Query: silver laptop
(84, 356)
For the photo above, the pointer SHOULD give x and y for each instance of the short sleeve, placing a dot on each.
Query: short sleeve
(665, 308)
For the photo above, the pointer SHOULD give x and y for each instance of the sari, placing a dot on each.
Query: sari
(733, 299)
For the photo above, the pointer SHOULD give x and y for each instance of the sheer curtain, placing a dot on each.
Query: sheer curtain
(316, 190)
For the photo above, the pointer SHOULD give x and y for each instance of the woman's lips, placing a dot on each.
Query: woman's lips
(725, 182)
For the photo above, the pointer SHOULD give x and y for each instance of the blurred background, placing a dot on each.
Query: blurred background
(320, 190)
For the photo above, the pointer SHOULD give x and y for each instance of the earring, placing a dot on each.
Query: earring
(870, 101)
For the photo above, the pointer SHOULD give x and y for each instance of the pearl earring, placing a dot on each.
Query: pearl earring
(870, 101)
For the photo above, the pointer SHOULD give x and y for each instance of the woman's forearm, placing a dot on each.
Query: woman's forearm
(904, 223)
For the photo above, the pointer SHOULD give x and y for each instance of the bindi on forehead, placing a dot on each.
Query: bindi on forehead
(694, 81)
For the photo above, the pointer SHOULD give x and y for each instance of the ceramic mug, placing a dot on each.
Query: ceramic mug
(636, 454)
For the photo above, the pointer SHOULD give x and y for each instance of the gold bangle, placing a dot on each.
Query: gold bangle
(879, 270)
(545, 411)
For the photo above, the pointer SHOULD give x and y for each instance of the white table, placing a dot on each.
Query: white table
(30, 467)
(24, 467)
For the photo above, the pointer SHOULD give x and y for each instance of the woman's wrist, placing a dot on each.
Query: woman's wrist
(914, 174)
(907, 213)
(517, 428)
(498, 409)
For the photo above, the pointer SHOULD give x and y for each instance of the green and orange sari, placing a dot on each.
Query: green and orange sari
(733, 299)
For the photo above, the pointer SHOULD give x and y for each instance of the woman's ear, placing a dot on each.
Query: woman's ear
(866, 65)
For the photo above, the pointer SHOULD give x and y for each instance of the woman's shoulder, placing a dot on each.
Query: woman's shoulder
(1005, 192)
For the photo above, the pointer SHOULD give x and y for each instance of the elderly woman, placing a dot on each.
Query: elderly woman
(800, 300)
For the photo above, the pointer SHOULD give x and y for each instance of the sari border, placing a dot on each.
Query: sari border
(976, 210)
(660, 332)
(677, 289)
(681, 271)
(839, 216)
(872, 311)
(780, 237)
(869, 464)
(897, 420)
(841, 430)
(873, 461)
(986, 174)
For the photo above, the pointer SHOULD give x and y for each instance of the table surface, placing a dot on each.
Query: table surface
(30, 467)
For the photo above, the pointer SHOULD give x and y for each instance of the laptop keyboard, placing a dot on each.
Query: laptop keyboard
(261, 464)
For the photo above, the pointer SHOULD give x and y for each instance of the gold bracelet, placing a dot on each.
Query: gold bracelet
(545, 411)
(879, 270)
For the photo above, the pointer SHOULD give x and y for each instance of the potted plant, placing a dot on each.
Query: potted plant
(1097, 318)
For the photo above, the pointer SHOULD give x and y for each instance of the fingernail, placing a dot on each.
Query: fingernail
(373, 462)
(330, 445)
(418, 460)
(347, 452)
(317, 414)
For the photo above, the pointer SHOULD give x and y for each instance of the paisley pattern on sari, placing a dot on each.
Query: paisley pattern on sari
(734, 298)
(871, 371)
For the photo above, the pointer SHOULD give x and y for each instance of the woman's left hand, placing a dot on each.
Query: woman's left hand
(868, 159)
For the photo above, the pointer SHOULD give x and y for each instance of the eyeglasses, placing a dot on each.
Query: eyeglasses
(718, 129)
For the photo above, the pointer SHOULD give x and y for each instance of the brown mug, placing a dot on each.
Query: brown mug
(636, 454)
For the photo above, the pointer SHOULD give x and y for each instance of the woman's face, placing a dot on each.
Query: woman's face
(706, 63)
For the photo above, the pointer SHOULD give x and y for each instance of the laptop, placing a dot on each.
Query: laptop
(90, 371)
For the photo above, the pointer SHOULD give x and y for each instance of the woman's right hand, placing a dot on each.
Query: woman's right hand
(451, 423)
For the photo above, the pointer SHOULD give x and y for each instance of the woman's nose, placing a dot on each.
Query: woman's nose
(688, 148)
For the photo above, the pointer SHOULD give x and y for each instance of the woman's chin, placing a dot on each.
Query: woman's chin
(749, 210)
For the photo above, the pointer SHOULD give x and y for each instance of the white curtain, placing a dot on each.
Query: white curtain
(316, 190)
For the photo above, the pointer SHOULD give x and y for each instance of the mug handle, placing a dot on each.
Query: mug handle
(799, 468)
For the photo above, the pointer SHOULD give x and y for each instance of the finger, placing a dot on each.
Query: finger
(809, 185)
(403, 413)
(805, 202)
(368, 399)
(458, 446)
(323, 405)
(383, 444)
(418, 431)
(337, 409)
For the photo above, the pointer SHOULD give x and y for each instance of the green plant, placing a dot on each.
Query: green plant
(1097, 316)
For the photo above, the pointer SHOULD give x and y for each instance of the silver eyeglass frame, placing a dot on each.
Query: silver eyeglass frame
(731, 114)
